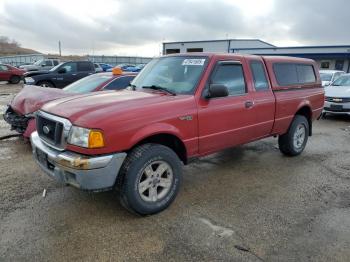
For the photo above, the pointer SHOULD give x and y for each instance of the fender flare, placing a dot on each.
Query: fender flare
(155, 129)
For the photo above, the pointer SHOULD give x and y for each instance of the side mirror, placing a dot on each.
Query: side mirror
(216, 90)
(62, 71)
(42, 65)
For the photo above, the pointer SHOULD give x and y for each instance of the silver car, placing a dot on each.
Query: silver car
(41, 65)
(337, 96)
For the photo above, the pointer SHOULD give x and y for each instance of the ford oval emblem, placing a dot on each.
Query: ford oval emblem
(46, 130)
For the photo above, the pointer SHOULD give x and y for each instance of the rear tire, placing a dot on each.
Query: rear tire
(15, 80)
(294, 141)
(149, 179)
(45, 84)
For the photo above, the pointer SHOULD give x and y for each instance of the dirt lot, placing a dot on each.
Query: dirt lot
(244, 204)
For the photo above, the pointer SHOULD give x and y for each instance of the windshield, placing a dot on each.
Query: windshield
(326, 76)
(55, 67)
(342, 81)
(87, 84)
(38, 62)
(178, 74)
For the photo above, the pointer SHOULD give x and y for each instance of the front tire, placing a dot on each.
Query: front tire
(149, 179)
(15, 80)
(294, 141)
(45, 84)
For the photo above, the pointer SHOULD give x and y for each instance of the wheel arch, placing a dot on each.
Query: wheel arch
(305, 110)
(166, 138)
(14, 75)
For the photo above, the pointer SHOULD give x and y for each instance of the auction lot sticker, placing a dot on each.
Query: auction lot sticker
(194, 62)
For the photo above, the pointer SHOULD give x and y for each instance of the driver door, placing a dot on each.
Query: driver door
(227, 121)
(69, 76)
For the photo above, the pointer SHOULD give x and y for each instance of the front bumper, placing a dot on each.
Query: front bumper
(17, 122)
(84, 172)
(336, 108)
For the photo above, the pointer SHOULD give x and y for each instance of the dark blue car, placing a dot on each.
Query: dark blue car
(105, 67)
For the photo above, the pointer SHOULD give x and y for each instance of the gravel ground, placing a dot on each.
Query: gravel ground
(249, 203)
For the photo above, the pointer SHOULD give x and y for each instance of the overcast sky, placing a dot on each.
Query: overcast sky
(138, 27)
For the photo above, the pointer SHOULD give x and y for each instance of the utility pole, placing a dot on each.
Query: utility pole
(59, 47)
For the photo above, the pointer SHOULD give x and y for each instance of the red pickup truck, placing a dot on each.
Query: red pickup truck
(179, 107)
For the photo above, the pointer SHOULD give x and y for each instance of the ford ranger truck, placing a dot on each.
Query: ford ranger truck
(178, 108)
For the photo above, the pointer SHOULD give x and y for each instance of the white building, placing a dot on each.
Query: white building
(217, 46)
(327, 57)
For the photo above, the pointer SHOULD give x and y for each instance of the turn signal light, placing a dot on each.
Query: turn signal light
(96, 139)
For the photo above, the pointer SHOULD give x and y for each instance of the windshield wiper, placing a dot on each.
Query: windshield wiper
(155, 87)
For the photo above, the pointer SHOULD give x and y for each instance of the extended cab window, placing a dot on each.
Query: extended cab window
(260, 80)
(294, 74)
(230, 75)
(306, 74)
(83, 67)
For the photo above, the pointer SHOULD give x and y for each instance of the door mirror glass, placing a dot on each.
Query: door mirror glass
(217, 90)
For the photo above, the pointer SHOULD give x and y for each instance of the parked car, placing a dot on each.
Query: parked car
(11, 74)
(98, 68)
(136, 68)
(337, 100)
(328, 76)
(61, 75)
(105, 66)
(179, 107)
(124, 66)
(42, 64)
(20, 113)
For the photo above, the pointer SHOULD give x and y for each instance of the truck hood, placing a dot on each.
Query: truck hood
(95, 107)
(34, 73)
(31, 98)
(28, 67)
(337, 91)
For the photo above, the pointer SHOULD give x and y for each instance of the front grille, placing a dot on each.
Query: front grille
(52, 129)
(338, 99)
(336, 109)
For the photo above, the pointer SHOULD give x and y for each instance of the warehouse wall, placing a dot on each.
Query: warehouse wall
(17, 60)
(215, 46)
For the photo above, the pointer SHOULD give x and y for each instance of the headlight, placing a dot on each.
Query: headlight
(29, 80)
(84, 137)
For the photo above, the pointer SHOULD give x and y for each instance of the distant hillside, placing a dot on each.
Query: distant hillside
(8, 47)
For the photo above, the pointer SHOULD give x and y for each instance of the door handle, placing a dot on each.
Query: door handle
(74, 74)
(249, 104)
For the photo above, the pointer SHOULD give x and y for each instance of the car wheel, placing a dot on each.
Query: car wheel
(45, 84)
(15, 79)
(294, 141)
(149, 179)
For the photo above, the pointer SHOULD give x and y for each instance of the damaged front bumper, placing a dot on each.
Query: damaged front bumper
(17, 122)
(85, 172)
